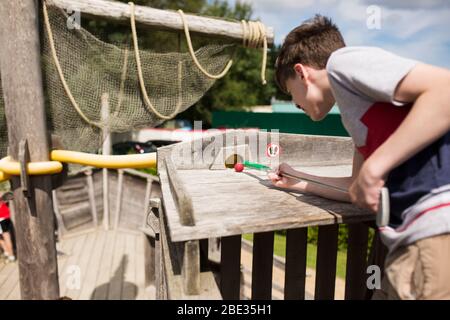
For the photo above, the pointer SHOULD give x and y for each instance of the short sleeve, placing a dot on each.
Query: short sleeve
(370, 72)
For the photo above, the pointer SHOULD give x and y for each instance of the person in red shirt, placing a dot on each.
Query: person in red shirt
(5, 232)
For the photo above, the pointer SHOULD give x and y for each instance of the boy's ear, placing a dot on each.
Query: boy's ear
(300, 71)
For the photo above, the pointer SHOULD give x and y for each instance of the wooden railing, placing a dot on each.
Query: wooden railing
(181, 228)
(177, 264)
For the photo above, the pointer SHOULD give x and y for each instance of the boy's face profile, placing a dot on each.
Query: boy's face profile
(310, 91)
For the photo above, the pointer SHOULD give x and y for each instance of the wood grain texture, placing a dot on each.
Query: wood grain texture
(247, 202)
(160, 19)
(23, 95)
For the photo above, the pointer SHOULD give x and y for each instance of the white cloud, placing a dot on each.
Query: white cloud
(414, 28)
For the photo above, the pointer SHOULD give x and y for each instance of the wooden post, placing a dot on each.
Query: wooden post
(118, 198)
(91, 192)
(106, 150)
(25, 113)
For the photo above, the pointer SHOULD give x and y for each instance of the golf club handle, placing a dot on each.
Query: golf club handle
(322, 184)
(383, 213)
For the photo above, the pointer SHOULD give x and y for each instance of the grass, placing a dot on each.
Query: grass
(279, 249)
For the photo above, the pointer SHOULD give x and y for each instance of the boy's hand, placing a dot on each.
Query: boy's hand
(365, 189)
(280, 181)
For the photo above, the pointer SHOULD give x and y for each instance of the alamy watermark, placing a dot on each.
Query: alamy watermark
(373, 20)
(374, 280)
(73, 19)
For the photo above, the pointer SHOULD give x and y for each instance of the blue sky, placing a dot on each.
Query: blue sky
(418, 29)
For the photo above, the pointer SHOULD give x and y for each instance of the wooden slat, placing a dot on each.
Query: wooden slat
(73, 260)
(91, 194)
(129, 289)
(230, 267)
(180, 195)
(142, 293)
(326, 262)
(10, 281)
(120, 263)
(355, 282)
(118, 198)
(83, 262)
(262, 265)
(295, 268)
(105, 268)
(191, 268)
(90, 275)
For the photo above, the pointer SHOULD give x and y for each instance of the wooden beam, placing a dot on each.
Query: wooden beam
(181, 196)
(160, 19)
(20, 66)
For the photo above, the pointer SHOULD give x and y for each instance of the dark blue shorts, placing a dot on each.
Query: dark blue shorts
(5, 225)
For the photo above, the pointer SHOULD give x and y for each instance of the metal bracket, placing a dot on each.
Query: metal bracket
(24, 159)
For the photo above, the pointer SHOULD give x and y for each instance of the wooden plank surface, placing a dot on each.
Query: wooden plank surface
(102, 268)
(247, 202)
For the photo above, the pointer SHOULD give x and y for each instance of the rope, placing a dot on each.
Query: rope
(254, 36)
(139, 69)
(60, 72)
(194, 58)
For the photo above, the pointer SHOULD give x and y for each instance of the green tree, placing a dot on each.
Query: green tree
(241, 87)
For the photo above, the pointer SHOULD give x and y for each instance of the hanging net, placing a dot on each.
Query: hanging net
(91, 85)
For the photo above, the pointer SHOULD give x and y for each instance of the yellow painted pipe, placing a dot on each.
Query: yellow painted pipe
(10, 167)
(136, 161)
(4, 176)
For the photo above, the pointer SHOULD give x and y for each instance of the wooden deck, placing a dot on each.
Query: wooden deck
(97, 265)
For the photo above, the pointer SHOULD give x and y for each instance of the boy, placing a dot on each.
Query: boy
(397, 112)
(5, 234)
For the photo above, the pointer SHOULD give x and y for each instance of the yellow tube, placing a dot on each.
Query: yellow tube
(4, 176)
(9, 167)
(137, 161)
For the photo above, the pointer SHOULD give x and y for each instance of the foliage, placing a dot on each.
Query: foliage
(241, 87)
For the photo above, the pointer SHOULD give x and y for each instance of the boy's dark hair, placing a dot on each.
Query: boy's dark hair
(311, 44)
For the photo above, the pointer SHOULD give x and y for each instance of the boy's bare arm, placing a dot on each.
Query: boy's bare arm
(428, 87)
(341, 182)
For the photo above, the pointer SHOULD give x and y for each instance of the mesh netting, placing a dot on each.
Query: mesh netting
(93, 68)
